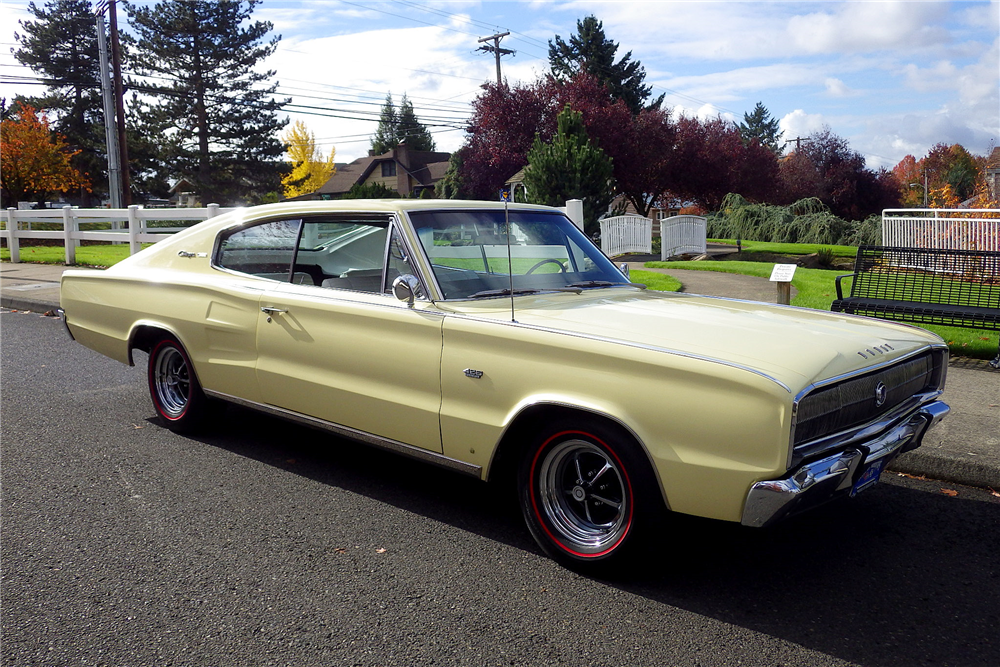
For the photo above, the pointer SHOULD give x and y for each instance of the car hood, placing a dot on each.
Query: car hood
(794, 345)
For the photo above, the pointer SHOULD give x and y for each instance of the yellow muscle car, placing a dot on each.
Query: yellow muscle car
(500, 342)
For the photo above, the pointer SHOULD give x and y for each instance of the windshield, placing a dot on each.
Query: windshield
(468, 252)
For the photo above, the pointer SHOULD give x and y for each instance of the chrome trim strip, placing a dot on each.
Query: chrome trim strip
(626, 343)
(62, 318)
(354, 434)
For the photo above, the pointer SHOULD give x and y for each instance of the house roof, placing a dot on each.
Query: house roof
(993, 162)
(426, 167)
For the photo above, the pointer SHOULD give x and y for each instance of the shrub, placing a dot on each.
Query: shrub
(805, 221)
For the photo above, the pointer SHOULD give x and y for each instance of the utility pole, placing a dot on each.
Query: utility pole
(110, 126)
(495, 49)
(798, 142)
(116, 64)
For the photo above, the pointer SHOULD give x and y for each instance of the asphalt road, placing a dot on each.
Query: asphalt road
(264, 543)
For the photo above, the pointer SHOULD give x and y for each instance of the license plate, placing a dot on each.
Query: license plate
(869, 477)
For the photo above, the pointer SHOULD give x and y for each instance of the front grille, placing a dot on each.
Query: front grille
(852, 403)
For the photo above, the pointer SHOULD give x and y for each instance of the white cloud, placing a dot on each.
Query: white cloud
(863, 27)
(704, 112)
(801, 124)
(837, 88)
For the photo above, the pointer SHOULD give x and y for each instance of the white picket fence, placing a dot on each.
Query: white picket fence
(682, 234)
(136, 230)
(626, 233)
(947, 229)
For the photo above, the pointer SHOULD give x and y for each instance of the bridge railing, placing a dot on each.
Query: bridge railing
(943, 229)
(682, 234)
(626, 233)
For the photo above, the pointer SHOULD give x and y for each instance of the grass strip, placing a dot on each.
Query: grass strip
(101, 256)
(660, 282)
(792, 248)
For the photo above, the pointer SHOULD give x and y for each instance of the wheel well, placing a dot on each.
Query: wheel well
(517, 437)
(144, 337)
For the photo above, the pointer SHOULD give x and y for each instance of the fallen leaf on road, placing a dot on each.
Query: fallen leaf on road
(340, 551)
(993, 492)
(138, 426)
(903, 474)
(949, 492)
(380, 550)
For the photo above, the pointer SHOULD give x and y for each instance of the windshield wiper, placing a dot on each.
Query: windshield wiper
(604, 283)
(502, 292)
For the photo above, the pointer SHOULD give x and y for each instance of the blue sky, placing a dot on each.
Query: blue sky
(891, 77)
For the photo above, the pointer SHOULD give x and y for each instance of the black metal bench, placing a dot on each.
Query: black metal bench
(955, 288)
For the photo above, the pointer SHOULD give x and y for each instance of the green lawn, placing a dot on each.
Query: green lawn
(655, 281)
(792, 248)
(88, 255)
(816, 289)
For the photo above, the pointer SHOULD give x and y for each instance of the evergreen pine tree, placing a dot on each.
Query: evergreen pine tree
(411, 130)
(61, 45)
(760, 126)
(385, 136)
(450, 186)
(395, 127)
(215, 114)
(589, 50)
(571, 167)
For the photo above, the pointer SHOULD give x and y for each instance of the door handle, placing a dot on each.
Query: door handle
(269, 310)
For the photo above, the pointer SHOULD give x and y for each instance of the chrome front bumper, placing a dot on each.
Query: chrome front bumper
(818, 481)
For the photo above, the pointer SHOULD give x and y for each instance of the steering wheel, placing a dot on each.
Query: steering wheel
(562, 267)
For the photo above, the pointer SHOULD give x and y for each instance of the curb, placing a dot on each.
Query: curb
(18, 303)
(947, 469)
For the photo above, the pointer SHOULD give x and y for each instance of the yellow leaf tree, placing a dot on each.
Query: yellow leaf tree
(310, 169)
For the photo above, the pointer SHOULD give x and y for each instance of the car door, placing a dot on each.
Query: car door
(343, 349)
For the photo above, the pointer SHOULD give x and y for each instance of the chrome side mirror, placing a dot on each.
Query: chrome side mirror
(624, 269)
(405, 288)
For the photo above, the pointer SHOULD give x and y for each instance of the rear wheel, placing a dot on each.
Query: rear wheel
(586, 494)
(176, 394)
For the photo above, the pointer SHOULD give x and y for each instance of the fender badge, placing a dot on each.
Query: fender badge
(472, 373)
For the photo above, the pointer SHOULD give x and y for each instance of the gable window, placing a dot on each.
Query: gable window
(388, 168)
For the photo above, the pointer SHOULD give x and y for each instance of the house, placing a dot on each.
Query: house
(182, 195)
(993, 174)
(405, 171)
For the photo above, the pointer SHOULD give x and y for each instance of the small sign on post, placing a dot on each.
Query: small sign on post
(782, 275)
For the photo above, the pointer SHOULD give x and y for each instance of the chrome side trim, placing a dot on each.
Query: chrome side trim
(354, 434)
(626, 343)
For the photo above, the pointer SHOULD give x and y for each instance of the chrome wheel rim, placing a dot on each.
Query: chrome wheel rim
(584, 496)
(171, 381)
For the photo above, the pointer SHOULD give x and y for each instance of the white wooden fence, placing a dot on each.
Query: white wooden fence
(626, 233)
(948, 229)
(19, 225)
(682, 234)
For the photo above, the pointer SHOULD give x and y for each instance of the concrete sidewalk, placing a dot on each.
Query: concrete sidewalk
(964, 448)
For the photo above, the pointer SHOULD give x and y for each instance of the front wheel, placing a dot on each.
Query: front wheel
(176, 393)
(586, 494)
